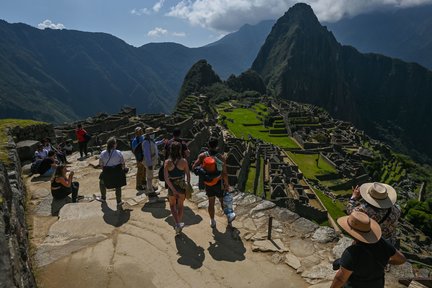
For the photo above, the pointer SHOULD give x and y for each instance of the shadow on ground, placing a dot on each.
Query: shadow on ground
(189, 218)
(190, 254)
(227, 246)
(157, 209)
(115, 218)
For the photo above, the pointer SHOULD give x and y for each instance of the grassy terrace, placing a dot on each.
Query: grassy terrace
(248, 121)
(308, 165)
(10, 123)
(334, 208)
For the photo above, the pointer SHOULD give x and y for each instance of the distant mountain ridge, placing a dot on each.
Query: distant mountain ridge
(392, 100)
(62, 75)
(401, 33)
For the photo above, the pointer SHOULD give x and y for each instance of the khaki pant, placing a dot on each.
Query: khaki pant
(149, 177)
(141, 174)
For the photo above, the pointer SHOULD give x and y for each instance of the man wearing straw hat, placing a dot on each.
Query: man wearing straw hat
(379, 203)
(362, 264)
(151, 158)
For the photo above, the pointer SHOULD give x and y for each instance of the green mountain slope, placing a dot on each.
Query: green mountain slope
(392, 100)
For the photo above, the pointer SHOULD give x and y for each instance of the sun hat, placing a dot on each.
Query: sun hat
(361, 227)
(378, 194)
(150, 130)
(138, 128)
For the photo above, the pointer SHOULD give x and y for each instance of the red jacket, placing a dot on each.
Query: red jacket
(80, 134)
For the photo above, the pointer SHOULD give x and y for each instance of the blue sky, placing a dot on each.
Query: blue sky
(192, 23)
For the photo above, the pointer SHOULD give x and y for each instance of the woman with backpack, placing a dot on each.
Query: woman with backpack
(175, 169)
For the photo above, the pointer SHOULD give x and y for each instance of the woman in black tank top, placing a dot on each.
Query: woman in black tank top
(62, 185)
(175, 169)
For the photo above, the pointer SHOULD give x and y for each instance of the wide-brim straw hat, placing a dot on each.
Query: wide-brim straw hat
(150, 130)
(379, 195)
(361, 227)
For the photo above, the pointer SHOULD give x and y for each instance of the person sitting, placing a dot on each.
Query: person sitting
(61, 156)
(48, 165)
(176, 168)
(379, 203)
(40, 153)
(62, 185)
(362, 264)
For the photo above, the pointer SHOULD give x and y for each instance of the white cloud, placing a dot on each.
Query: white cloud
(49, 24)
(158, 5)
(179, 34)
(229, 15)
(157, 32)
(140, 12)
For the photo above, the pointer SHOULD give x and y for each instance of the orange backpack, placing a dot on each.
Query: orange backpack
(212, 165)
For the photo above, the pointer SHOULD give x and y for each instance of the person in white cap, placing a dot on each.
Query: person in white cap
(362, 264)
(378, 201)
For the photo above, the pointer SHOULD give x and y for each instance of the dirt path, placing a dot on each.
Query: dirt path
(94, 245)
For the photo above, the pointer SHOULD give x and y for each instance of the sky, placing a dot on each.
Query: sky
(193, 23)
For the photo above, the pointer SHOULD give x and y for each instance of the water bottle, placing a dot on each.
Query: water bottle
(228, 206)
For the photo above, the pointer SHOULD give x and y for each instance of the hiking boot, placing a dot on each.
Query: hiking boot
(212, 223)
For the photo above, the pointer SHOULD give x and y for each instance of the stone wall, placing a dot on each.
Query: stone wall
(15, 265)
(33, 132)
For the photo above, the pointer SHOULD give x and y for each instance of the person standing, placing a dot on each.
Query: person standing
(113, 171)
(176, 138)
(137, 149)
(82, 140)
(216, 184)
(151, 158)
(362, 264)
(176, 168)
(378, 201)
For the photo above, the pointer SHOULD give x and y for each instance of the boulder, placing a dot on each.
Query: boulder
(284, 215)
(340, 247)
(26, 149)
(264, 205)
(304, 226)
(269, 246)
(324, 235)
(292, 261)
(302, 247)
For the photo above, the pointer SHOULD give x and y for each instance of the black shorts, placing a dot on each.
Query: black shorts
(215, 191)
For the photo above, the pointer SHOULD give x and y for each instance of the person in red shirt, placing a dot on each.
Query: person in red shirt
(82, 141)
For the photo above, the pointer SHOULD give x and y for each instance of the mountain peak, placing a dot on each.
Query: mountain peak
(300, 13)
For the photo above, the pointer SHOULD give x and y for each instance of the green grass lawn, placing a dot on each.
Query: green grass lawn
(248, 116)
(335, 209)
(250, 179)
(308, 165)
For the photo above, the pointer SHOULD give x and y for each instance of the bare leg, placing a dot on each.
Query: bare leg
(180, 207)
(211, 209)
(173, 208)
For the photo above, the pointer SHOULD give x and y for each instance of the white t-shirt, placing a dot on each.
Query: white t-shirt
(116, 158)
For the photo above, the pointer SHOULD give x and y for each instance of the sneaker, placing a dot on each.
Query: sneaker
(212, 223)
(178, 229)
(80, 197)
(181, 224)
(99, 198)
(231, 217)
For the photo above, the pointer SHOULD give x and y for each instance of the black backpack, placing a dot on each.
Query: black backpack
(138, 152)
(34, 168)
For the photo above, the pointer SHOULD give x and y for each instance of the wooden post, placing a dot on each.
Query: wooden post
(270, 224)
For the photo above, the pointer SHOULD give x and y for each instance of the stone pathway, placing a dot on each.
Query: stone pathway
(91, 244)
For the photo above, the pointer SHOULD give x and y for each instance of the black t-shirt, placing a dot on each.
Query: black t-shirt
(367, 261)
(45, 165)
